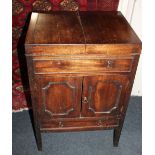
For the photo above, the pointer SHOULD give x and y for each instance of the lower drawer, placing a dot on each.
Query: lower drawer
(78, 124)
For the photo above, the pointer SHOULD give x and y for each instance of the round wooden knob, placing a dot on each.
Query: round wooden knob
(58, 62)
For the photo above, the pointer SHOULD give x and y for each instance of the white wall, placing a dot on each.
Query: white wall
(131, 9)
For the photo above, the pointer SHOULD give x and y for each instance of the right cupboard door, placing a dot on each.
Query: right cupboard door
(103, 95)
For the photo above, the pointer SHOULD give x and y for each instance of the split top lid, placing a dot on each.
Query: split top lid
(80, 28)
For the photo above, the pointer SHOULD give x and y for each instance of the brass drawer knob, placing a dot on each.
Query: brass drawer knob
(100, 122)
(109, 63)
(85, 100)
(61, 124)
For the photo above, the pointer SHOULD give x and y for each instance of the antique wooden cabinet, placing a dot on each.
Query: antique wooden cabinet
(81, 70)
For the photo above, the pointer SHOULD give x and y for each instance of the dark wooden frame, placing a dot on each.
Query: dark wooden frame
(108, 61)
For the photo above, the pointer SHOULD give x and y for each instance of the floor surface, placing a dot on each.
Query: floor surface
(80, 143)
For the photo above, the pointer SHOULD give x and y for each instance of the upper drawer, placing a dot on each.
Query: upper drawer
(83, 65)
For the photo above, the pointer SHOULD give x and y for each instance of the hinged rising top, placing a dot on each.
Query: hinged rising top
(80, 28)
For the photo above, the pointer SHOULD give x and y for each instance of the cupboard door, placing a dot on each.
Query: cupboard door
(103, 95)
(59, 97)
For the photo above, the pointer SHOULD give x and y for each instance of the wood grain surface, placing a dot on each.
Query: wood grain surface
(81, 70)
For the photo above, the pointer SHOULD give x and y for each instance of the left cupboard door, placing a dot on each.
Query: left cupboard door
(59, 97)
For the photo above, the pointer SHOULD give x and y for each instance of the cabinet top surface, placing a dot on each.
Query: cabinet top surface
(80, 28)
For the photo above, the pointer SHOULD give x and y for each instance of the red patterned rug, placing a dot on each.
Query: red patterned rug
(21, 10)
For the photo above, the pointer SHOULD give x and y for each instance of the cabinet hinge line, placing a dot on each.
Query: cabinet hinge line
(79, 19)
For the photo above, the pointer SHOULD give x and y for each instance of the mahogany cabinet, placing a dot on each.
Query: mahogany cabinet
(81, 70)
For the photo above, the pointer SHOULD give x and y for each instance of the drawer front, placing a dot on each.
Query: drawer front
(79, 124)
(82, 66)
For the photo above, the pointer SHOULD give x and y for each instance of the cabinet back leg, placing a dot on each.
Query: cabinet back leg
(38, 138)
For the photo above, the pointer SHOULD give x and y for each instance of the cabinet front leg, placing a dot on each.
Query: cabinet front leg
(116, 135)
